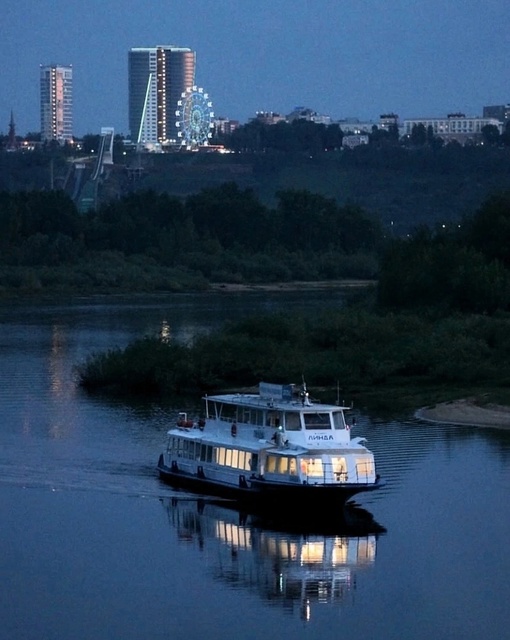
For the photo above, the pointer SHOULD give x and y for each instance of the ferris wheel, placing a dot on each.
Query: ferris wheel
(194, 118)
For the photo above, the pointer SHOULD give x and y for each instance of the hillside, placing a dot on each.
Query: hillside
(405, 188)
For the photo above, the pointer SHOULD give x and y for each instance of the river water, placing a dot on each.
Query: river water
(93, 545)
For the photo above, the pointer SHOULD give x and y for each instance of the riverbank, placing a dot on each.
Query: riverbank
(294, 285)
(467, 412)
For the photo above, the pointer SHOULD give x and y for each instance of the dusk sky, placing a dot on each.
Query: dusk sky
(343, 58)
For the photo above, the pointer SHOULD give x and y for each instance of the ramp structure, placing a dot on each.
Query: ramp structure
(85, 193)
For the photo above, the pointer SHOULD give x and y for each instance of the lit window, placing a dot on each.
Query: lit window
(312, 467)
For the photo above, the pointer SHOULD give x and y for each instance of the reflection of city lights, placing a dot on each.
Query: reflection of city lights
(61, 385)
(305, 611)
(56, 360)
(164, 332)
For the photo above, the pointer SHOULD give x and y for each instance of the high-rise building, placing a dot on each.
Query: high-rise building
(157, 77)
(56, 102)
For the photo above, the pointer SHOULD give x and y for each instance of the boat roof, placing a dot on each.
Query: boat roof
(276, 396)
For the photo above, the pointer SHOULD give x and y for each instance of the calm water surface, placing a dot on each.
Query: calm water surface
(94, 546)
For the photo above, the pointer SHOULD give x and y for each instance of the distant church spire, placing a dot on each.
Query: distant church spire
(11, 142)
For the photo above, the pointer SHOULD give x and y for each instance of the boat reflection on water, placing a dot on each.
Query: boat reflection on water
(296, 564)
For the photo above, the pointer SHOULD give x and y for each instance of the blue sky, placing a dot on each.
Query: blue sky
(344, 58)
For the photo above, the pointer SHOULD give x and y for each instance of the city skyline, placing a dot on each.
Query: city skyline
(342, 59)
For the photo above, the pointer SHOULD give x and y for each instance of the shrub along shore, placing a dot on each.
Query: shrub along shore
(389, 362)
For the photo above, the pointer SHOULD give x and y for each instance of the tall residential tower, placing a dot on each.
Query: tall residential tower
(157, 78)
(56, 102)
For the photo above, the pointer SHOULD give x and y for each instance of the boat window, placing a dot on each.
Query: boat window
(219, 455)
(271, 464)
(209, 453)
(203, 452)
(235, 458)
(254, 461)
(339, 466)
(228, 457)
(317, 421)
(251, 416)
(338, 420)
(312, 467)
(364, 468)
(227, 412)
(283, 466)
(246, 461)
(292, 422)
(273, 419)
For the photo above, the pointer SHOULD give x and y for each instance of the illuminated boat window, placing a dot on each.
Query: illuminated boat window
(339, 467)
(271, 464)
(312, 467)
(364, 468)
(282, 465)
(219, 455)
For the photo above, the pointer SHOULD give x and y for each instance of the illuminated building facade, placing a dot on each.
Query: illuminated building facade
(456, 126)
(157, 77)
(56, 83)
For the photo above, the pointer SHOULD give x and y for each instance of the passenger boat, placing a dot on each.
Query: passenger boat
(276, 447)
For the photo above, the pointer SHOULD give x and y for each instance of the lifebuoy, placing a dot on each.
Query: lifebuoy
(233, 430)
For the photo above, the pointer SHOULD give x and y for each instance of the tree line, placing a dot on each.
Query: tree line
(463, 267)
(221, 233)
(307, 137)
(437, 327)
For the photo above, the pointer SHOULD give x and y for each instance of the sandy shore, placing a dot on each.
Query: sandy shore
(292, 286)
(467, 412)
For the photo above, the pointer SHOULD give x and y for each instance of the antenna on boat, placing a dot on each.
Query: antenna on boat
(304, 392)
(338, 393)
